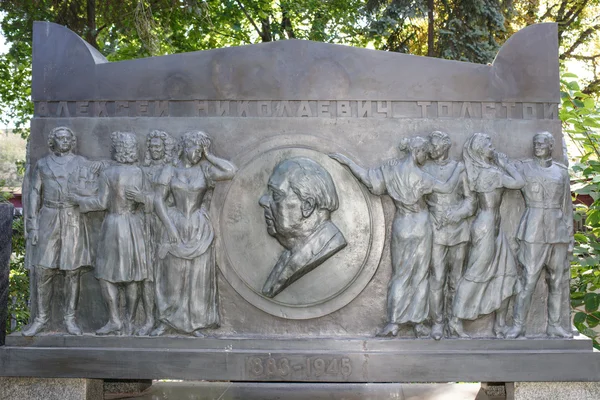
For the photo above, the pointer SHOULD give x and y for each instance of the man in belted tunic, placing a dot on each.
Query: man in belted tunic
(55, 229)
(545, 234)
(449, 215)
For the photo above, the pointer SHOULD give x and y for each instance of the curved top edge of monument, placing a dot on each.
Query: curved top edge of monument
(65, 67)
(53, 33)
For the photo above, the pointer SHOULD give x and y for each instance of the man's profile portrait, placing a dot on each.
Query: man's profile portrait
(298, 204)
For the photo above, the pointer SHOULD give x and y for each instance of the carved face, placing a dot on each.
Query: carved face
(62, 141)
(541, 147)
(420, 154)
(485, 147)
(157, 149)
(283, 207)
(438, 147)
(193, 151)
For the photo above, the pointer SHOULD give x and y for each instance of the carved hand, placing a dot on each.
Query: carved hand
(33, 236)
(173, 235)
(501, 159)
(342, 159)
(134, 195)
(452, 217)
(74, 198)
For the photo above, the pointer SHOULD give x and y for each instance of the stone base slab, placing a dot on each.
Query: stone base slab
(300, 360)
(51, 389)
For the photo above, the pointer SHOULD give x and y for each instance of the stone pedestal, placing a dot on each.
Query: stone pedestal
(51, 389)
(557, 390)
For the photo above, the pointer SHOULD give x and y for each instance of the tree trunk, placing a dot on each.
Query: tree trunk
(91, 34)
(430, 43)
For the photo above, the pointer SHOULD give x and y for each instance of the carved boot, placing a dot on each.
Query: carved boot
(389, 330)
(455, 328)
(198, 333)
(558, 331)
(516, 331)
(437, 331)
(160, 330)
(71, 325)
(36, 327)
(72, 289)
(44, 296)
(146, 329)
(554, 328)
(421, 331)
(112, 327)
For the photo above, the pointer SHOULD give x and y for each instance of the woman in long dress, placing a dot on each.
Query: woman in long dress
(490, 276)
(186, 286)
(407, 184)
(160, 151)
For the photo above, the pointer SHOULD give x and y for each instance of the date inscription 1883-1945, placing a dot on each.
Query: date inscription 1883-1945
(305, 367)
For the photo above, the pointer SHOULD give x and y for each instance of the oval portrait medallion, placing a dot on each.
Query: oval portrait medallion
(298, 236)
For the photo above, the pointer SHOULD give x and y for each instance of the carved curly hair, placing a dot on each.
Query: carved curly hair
(125, 147)
(53, 133)
(170, 148)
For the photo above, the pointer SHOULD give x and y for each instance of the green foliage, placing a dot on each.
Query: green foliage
(581, 120)
(18, 287)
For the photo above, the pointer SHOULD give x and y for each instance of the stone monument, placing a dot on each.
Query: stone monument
(298, 211)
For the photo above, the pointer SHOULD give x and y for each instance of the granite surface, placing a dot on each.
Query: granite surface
(557, 390)
(51, 389)
(6, 217)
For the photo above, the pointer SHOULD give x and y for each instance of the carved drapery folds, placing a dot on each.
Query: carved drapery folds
(311, 221)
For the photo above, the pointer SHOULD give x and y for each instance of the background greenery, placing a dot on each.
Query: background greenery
(467, 30)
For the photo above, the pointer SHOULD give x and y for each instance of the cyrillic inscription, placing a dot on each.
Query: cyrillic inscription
(297, 109)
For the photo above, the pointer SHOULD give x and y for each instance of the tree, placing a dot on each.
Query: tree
(466, 30)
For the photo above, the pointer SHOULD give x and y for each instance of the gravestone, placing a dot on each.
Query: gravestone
(298, 211)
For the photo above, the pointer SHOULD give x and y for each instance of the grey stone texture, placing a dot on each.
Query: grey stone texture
(123, 386)
(316, 391)
(557, 390)
(6, 218)
(264, 103)
(51, 389)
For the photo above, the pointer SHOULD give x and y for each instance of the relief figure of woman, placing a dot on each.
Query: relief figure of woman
(490, 276)
(160, 152)
(407, 184)
(186, 286)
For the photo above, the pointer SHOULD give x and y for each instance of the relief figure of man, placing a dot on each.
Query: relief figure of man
(298, 204)
(545, 234)
(56, 231)
(449, 217)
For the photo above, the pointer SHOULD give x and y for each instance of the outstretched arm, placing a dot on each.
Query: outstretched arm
(361, 173)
